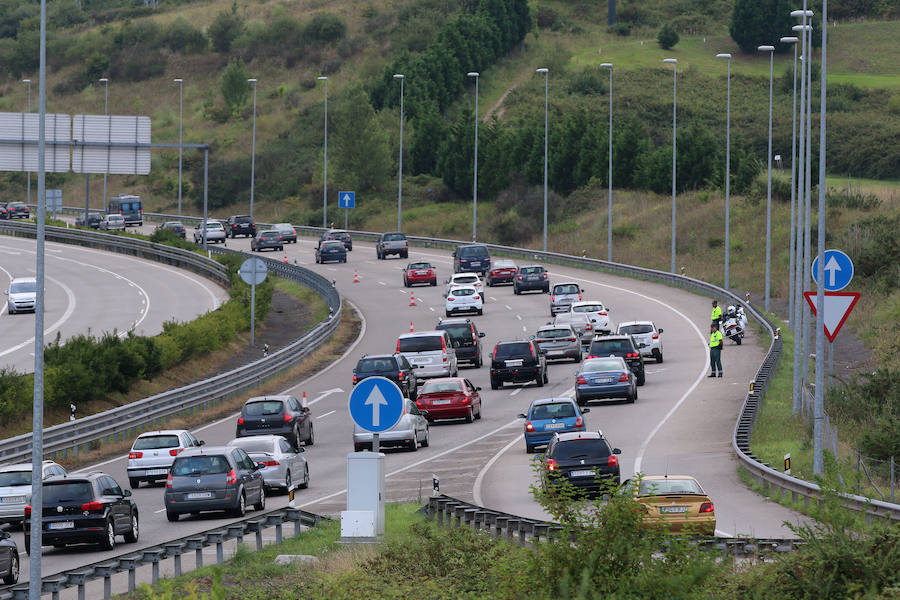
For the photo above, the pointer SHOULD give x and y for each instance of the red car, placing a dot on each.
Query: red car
(449, 398)
(502, 271)
(419, 272)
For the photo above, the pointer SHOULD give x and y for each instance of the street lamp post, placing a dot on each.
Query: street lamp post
(771, 51)
(325, 176)
(727, 169)
(475, 176)
(105, 82)
(252, 149)
(402, 79)
(793, 226)
(546, 73)
(27, 83)
(609, 174)
(674, 63)
(180, 83)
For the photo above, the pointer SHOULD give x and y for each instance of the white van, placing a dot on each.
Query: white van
(22, 294)
(431, 353)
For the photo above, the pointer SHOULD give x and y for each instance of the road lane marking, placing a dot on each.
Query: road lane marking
(381, 283)
(431, 309)
(516, 391)
(476, 488)
(330, 412)
(494, 299)
(508, 307)
(519, 317)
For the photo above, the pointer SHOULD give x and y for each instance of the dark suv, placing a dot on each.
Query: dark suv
(619, 345)
(468, 336)
(517, 362)
(584, 459)
(18, 210)
(473, 258)
(390, 366)
(4, 213)
(81, 509)
(531, 277)
(276, 415)
(240, 225)
(340, 234)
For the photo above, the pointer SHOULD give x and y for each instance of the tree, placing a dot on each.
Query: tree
(667, 37)
(235, 89)
(758, 22)
(360, 155)
(224, 30)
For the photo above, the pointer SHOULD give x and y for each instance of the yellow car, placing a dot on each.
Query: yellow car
(676, 503)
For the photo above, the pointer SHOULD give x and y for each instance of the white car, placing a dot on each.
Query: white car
(111, 222)
(598, 313)
(152, 454)
(471, 279)
(15, 488)
(215, 233)
(463, 298)
(22, 294)
(646, 336)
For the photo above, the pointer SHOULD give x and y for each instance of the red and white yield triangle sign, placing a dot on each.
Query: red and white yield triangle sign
(837, 308)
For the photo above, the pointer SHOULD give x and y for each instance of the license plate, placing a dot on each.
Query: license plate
(555, 353)
(514, 363)
(587, 473)
(603, 380)
(555, 426)
(12, 500)
(475, 264)
(441, 402)
(673, 509)
(62, 525)
(157, 471)
(199, 495)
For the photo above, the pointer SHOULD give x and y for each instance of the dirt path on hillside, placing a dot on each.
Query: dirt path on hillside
(497, 109)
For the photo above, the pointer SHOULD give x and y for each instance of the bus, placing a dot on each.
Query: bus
(130, 207)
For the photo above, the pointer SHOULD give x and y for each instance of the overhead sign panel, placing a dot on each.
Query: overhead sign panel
(117, 139)
(19, 134)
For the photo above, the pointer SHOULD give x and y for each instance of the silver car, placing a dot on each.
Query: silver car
(15, 488)
(152, 454)
(113, 222)
(410, 432)
(558, 341)
(22, 294)
(431, 352)
(646, 336)
(283, 465)
(562, 295)
(215, 233)
(580, 322)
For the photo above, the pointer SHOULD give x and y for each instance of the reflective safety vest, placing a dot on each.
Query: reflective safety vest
(715, 339)
(716, 313)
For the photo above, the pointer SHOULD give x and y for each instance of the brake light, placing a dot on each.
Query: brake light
(624, 376)
(571, 339)
(169, 481)
(602, 313)
(279, 238)
(589, 327)
(231, 478)
(545, 276)
(464, 399)
(520, 278)
(655, 336)
(552, 298)
(288, 417)
(612, 461)
(707, 507)
(472, 327)
(592, 356)
(529, 426)
(234, 225)
(581, 380)
(578, 422)
(531, 346)
(240, 420)
(579, 296)
(271, 463)
(398, 345)
(401, 375)
(28, 510)
(94, 506)
(476, 297)
(418, 404)
(631, 355)
(443, 344)
(355, 379)
(552, 464)
(451, 298)
(132, 455)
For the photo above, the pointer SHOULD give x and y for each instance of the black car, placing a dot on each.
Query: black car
(530, 278)
(390, 366)
(339, 234)
(619, 345)
(4, 213)
(331, 250)
(18, 210)
(276, 415)
(471, 258)
(584, 459)
(92, 220)
(82, 509)
(518, 362)
(176, 227)
(269, 239)
(240, 225)
(468, 336)
(9, 559)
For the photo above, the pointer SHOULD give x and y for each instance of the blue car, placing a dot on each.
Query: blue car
(331, 250)
(548, 416)
(604, 378)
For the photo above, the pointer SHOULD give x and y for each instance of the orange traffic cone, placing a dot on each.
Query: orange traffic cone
(411, 328)
(303, 400)
(355, 276)
(412, 298)
(285, 257)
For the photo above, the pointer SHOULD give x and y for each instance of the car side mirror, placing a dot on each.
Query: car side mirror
(521, 416)
(481, 334)
(531, 338)
(126, 493)
(423, 412)
(6, 292)
(305, 410)
(585, 411)
(593, 320)
(477, 388)
(258, 466)
(453, 255)
(455, 343)
(582, 290)
(446, 281)
(299, 449)
(616, 451)
(659, 330)
(202, 442)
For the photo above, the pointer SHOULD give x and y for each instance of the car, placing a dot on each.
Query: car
(112, 223)
(465, 279)
(463, 298)
(15, 488)
(214, 230)
(281, 462)
(276, 415)
(287, 232)
(9, 559)
(214, 478)
(623, 346)
(517, 362)
(502, 271)
(466, 339)
(549, 416)
(563, 295)
(176, 227)
(647, 337)
(92, 220)
(580, 322)
(153, 453)
(331, 250)
(558, 342)
(18, 210)
(530, 278)
(268, 239)
(21, 295)
(419, 272)
(598, 313)
(584, 459)
(410, 432)
(4, 212)
(129, 206)
(90, 508)
(450, 398)
(340, 235)
(676, 503)
(472, 258)
(240, 225)
(391, 243)
(432, 353)
(603, 378)
(390, 366)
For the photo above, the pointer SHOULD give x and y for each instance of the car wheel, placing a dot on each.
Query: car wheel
(737, 340)
(427, 441)
(261, 503)
(241, 509)
(305, 483)
(478, 414)
(414, 444)
(546, 377)
(539, 380)
(478, 362)
(404, 254)
(134, 483)
(448, 313)
(171, 516)
(471, 416)
(132, 536)
(515, 290)
(109, 540)
(579, 401)
(287, 481)
(578, 357)
(434, 283)
(405, 282)
(311, 440)
(529, 449)
(28, 545)
(495, 384)
(13, 575)
(658, 355)
(633, 396)
(640, 378)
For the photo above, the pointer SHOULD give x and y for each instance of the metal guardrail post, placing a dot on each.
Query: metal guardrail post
(217, 538)
(196, 544)
(130, 563)
(106, 570)
(277, 521)
(79, 578)
(256, 526)
(153, 556)
(52, 585)
(236, 531)
(501, 522)
(174, 550)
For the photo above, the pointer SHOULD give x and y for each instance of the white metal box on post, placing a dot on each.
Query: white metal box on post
(365, 485)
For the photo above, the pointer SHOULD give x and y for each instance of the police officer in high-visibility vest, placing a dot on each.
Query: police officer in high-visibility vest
(715, 350)
(716, 316)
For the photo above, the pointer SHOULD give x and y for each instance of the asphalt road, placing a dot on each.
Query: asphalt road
(681, 423)
(90, 290)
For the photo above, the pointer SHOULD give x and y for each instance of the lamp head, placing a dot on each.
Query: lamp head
(766, 48)
(800, 13)
(26, 81)
(251, 81)
(542, 70)
(724, 55)
(398, 75)
(606, 65)
(789, 39)
(103, 80)
(322, 78)
(179, 80)
(801, 27)
(673, 61)
(472, 74)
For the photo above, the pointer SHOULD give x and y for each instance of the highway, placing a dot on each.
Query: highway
(681, 423)
(94, 291)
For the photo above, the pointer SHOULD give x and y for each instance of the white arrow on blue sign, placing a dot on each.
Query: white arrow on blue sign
(347, 199)
(376, 404)
(838, 270)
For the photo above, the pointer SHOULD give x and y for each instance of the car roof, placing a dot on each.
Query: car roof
(256, 438)
(530, 266)
(464, 275)
(163, 432)
(238, 216)
(22, 466)
(270, 397)
(280, 224)
(377, 356)
(552, 326)
(626, 323)
(567, 283)
(205, 450)
(583, 302)
(23, 279)
(473, 246)
(615, 336)
(661, 477)
(558, 400)
(501, 342)
(91, 476)
(421, 334)
(268, 231)
(456, 321)
(579, 435)
(445, 379)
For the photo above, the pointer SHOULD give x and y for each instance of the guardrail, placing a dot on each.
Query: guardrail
(154, 555)
(123, 422)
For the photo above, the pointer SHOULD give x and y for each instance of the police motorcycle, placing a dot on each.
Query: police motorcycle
(735, 324)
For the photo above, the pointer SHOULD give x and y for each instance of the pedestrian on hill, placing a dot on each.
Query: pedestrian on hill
(715, 349)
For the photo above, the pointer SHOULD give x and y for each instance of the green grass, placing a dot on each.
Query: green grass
(313, 301)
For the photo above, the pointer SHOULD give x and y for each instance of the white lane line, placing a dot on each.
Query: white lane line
(492, 298)
(70, 309)
(431, 309)
(519, 317)
(476, 489)
(508, 307)
(404, 291)
(381, 283)
(331, 268)
(330, 412)
(516, 391)
(524, 328)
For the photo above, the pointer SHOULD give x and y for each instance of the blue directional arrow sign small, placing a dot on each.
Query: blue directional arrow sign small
(347, 199)
(838, 270)
(376, 404)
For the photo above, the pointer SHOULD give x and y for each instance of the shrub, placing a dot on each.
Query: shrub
(667, 37)
(848, 199)
(325, 28)
(755, 22)
(137, 64)
(181, 36)
(235, 89)
(587, 82)
(225, 28)
(621, 28)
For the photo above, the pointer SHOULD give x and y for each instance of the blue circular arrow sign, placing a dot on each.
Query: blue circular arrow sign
(376, 404)
(838, 270)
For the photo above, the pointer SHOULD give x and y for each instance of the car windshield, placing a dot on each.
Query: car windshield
(566, 288)
(116, 218)
(635, 329)
(394, 237)
(200, 465)
(253, 444)
(243, 219)
(657, 487)
(514, 349)
(284, 227)
(466, 279)
(214, 226)
(557, 410)
(571, 318)
(428, 343)
(607, 347)
(22, 287)
(584, 448)
(268, 235)
(264, 407)
(436, 387)
(586, 308)
(376, 365)
(151, 442)
(504, 264)
(173, 225)
(15, 478)
(461, 331)
(531, 270)
(421, 265)
(66, 491)
(473, 252)
(599, 365)
(332, 245)
(464, 291)
(552, 334)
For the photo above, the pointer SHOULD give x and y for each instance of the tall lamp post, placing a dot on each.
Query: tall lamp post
(771, 51)
(325, 176)
(674, 63)
(727, 56)
(252, 149)
(475, 176)
(546, 73)
(791, 307)
(180, 83)
(27, 83)
(609, 174)
(105, 82)
(402, 79)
